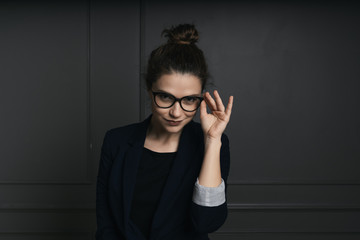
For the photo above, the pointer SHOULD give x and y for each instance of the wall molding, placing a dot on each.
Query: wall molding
(292, 206)
(81, 183)
(296, 182)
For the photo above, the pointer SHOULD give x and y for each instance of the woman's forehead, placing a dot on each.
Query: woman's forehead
(179, 84)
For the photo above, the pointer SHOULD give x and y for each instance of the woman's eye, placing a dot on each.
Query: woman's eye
(190, 99)
(164, 96)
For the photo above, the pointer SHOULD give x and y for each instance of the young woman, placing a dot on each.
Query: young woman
(165, 178)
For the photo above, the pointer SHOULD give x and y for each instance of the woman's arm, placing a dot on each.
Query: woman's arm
(209, 207)
(209, 203)
(210, 174)
(213, 126)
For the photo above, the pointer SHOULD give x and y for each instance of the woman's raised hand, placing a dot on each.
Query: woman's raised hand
(214, 123)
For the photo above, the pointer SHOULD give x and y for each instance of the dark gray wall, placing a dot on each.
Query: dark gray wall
(70, 71)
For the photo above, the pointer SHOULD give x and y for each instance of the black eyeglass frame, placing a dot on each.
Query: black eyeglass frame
(177, 100)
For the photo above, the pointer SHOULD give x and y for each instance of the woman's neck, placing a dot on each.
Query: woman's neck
(159, 140)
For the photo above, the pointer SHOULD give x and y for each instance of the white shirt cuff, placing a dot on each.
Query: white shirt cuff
(209, 196)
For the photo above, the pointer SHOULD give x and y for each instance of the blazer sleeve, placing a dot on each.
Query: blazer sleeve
(208, 219)
(106, 229)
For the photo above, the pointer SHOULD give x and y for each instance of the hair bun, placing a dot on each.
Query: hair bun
(182, 34)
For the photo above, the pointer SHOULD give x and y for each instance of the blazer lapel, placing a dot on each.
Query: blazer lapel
(131, 164)
(183, 160)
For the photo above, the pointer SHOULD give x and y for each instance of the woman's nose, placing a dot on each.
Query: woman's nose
(175, 110)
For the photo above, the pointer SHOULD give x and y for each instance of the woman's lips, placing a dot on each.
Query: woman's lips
(173, 123)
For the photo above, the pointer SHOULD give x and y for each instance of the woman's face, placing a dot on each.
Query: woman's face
(173, 119)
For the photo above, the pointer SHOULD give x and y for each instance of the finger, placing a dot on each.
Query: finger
(203, 110)
(219, 103)
(210, 101)
(229, 106)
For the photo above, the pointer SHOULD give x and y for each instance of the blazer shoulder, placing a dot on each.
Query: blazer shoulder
(196, 127)
(195, 131)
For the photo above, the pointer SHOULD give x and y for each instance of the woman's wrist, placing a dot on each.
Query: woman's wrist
(213, 142)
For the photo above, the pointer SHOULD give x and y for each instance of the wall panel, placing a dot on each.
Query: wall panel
(44, 96)
(70, 71)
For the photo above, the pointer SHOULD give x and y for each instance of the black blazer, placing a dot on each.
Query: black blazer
(176, 217)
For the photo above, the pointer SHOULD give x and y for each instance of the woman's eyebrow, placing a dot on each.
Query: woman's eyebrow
(191, 95)
(162, 91)
(159, 90)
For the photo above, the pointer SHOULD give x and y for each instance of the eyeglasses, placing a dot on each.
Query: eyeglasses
(166, 100)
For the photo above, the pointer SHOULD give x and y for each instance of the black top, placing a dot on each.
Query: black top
(153, 171)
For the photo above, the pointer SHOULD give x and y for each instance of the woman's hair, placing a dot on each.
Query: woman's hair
(179, 55)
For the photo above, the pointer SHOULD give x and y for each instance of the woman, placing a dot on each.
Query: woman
(165, 178)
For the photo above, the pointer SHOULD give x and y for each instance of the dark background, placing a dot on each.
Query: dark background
(71, 70)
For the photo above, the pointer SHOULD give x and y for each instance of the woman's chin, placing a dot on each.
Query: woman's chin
(174, 129)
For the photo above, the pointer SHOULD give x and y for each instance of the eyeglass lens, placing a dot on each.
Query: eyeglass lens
(188, 103)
